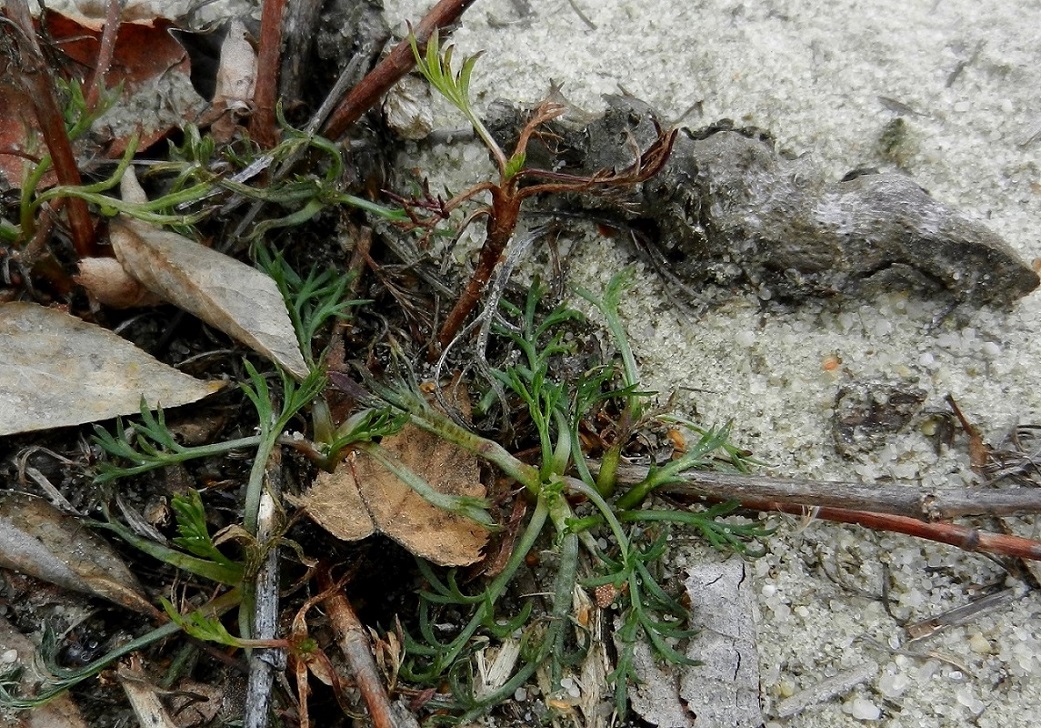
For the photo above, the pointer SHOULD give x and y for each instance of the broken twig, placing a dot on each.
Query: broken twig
(392, 68)
(354, 643)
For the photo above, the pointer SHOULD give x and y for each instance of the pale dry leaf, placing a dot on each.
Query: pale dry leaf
(39, 540)
(229, 295)
(362, 496)
(16, 650)
(236, 78)
(143, 695)
(108, 283)
(237, 73)
(57, 370)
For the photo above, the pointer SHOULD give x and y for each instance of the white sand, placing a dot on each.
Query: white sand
(812, 73)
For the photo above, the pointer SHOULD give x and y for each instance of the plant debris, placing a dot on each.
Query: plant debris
(38, 540)
(362, 497)
(731, 210)
(234, 297)
(57, 370)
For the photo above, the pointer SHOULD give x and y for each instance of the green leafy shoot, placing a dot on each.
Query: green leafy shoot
(149, 444)
(436, 68)
(295, 397)
(313, 302)
(539, 342)
(223, 571)
(364, 426)
(78, 119)
(200, 626)
(633, 410)
(195, 534)
(206, 626)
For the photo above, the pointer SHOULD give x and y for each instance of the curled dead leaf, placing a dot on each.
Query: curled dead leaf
(57, 370)
(109, 284)
(229, 295)
(39, 540)
(362, 496)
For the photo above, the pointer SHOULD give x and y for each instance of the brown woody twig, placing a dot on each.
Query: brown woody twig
(899, 509)
(391, 69)
(262, 124)
(907, 501)
(354, 643)
(39, 85)
(106, 50)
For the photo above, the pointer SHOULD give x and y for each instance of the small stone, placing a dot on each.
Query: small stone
(864, 709)
(979, 644)
(893, 685)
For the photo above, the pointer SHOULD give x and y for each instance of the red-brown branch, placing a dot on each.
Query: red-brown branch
(502, 221)
(106, 50)
(965, 538)
(262, 125)
(39, 84)
(391, 69)
(354, 643)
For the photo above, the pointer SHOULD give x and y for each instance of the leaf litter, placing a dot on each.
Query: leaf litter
(38, 540)
(362, 497)
(229, 295)
(57, 370)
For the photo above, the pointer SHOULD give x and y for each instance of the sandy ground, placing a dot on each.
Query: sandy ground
(826, 78)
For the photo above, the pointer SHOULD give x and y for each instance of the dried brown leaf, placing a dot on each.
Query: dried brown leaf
(362, 496)
(108, 283)
(236, 78)
(147, 61)
(227, 294)
(39, 540)
(56, 370)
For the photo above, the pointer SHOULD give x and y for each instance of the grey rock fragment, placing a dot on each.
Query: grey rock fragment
(731, 210)
(723, 691)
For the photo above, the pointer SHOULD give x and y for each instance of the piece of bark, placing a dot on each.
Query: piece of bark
(723, 691)
(731, 210)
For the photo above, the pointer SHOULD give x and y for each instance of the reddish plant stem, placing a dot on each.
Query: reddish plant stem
(391, 69)
(262, 125)
(501, 223)
(965, 538)
(39, 84)
(106, 50)
(797, 496)
(354, 643)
